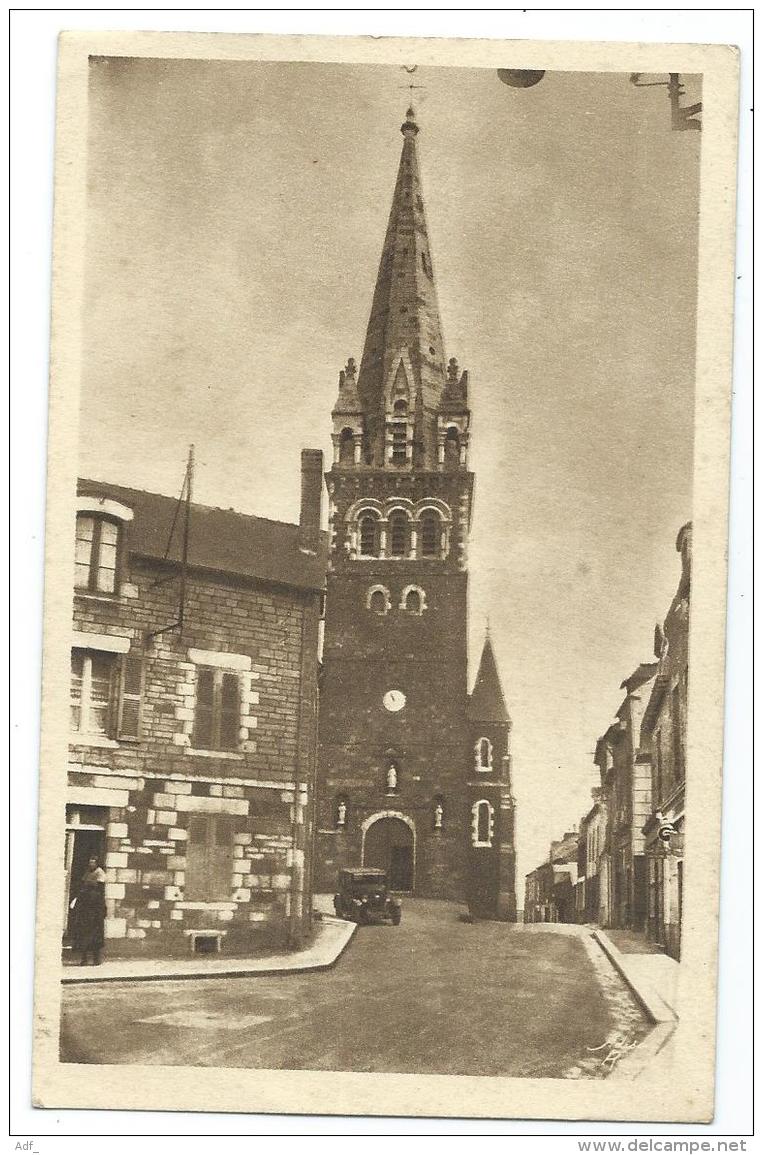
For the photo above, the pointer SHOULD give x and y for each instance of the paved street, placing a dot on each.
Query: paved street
(433, 996)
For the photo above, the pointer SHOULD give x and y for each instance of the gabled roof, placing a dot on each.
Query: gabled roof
(487, 703)
(643, 672)
(220, 539)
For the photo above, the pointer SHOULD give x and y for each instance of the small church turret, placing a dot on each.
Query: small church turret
(493, 865)
(347, 416)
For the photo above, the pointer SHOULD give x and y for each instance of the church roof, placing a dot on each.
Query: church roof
(487, 703)
(403, 356)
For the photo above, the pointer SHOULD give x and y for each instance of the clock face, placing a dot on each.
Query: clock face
(394, 700)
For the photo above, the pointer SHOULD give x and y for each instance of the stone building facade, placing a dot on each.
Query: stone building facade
(663, 756)
(550, 888)
(192, 755)
(626, 793)
(414, 775)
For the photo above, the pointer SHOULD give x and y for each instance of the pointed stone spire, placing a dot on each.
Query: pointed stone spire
(487, 703)
(403, 357)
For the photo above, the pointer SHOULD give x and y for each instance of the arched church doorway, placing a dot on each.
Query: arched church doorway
(389, 845)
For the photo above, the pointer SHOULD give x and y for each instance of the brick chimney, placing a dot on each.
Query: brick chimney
(310, 506)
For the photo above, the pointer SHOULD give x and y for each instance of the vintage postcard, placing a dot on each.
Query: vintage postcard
(385, 589)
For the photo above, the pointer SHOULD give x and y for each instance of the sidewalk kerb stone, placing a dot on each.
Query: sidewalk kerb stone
(316, 957)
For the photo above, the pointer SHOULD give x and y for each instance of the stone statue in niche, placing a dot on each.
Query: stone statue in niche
(392, 777)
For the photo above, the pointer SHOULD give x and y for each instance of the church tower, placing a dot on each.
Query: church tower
(399, 781)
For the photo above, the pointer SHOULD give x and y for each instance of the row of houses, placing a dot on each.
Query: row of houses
(623, 866)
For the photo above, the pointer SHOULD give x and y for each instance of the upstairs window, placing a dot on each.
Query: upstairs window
(430, 534)
(398, 535)
(95, 557)
(369, 537)
(92, 688)
(218, 711)
(106, 695)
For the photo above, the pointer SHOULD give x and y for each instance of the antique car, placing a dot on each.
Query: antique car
(363, 896)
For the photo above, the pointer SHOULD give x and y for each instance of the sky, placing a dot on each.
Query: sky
(236, 213)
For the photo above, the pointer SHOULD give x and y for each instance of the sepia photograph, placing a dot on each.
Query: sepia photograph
(383, 675)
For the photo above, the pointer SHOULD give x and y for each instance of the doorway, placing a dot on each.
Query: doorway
(85, 839)
(388, 846)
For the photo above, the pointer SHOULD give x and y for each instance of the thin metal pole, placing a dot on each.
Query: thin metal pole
(186, 535)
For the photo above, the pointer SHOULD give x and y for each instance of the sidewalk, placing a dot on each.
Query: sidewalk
(649, 964)
(331, 937)
(652, 975)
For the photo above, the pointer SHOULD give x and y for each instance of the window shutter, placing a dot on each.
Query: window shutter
(130, 698)
(197, 872)
(221, 859)
(205, 690)
(229, 712)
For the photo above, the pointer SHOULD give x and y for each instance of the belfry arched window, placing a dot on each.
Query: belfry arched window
(399, 442)
(368, 535)
(346, 447)
(378, 600)
(484, 752)
(414, 602)
(452, 449)
(482, 823)
(398, 534)
(431, 532)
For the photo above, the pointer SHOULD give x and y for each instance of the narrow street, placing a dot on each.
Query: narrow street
(434, 995)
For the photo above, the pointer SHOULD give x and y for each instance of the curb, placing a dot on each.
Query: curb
(244, 969)
(657, 1010)
(664, 1021)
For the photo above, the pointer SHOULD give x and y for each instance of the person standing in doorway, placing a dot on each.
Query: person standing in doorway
(89, 907)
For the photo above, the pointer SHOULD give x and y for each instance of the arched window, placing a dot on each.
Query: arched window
(399, 442)
(430, 534)
(369, 537)
(400, 407)
(414, 602)
(482, 823)
(484, 751)
(398, 534)
(452, 449)
(346, 447)
(378, 600)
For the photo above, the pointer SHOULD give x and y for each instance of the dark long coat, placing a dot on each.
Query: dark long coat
(90, 911)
